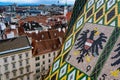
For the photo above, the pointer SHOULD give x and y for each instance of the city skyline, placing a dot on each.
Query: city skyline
(37, 2)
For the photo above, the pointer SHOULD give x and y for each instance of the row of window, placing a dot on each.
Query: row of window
(13, 57)
(7, 75)
(42, 68)
(49, 55)
(14, 64)
(21, 71)
(38, 64)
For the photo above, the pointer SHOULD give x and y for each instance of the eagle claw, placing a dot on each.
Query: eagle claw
(80, 59)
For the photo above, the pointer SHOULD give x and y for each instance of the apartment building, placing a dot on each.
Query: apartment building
(44, 53)
(15, 59)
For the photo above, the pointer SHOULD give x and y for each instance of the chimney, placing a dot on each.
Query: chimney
(36, 31)
(59, 29)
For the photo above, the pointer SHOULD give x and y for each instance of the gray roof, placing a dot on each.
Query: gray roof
(14, 44)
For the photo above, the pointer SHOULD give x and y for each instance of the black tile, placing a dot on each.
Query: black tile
(89, 13)
(54, 77)
(111, 14)
(100, 13)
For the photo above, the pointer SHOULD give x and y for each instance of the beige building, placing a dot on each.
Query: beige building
(45, 47)
(44, 53)
(15, 59)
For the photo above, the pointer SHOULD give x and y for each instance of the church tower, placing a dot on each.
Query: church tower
(65, 8)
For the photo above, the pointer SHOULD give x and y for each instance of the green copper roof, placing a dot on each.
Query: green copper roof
(92, 46)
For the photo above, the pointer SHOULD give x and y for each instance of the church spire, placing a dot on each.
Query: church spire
(65, 8)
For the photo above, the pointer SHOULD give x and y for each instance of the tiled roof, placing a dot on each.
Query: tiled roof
(45, 35)
(76, 62)
(55, 33)
(68, 16)
(39, 19)
(21, 31)
(42, 19)
(14, 44)
(38, 36)
(45, 46)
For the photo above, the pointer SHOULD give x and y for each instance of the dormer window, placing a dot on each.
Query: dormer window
(55, 34)
(42, 36)
(54, 46)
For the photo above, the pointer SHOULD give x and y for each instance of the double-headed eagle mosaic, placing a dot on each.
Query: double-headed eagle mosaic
(87, 44)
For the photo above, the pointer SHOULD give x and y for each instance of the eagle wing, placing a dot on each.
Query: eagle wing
(116, 56)
(98, 44)
(80, 44)
(81, 40)
(117, 50)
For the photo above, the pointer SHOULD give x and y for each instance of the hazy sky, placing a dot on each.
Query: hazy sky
(37, 1)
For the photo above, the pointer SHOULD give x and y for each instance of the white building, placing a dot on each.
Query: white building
(15, 59)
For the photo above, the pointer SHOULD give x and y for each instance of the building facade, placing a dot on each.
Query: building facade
(43, 63)
(44, 53)
(15, 59)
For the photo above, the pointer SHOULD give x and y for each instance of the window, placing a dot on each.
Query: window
(49, 55)
(28, 69)
(7, 76)
(43, 62)
(37, 70)
(14, 73)
(38, 76)
(26, 54)
(27, 61)
(54, 46)
(0, 77)
(13, 65)
(5, 60)
(20, 63)
(43, 56)
(54, 53)
(43, 68)
(20, 56)
(49, 61)
(42, 36)
(21, 78)
(49, 66)
(28, 78)
(13, 58)
(38, 64)
(21, 71)
(37, 58)
(6, 67)
(55, 34)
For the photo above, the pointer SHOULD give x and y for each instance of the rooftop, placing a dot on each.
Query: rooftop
(45, 46)
(14, 44)
(43, 20)
(45, 35)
